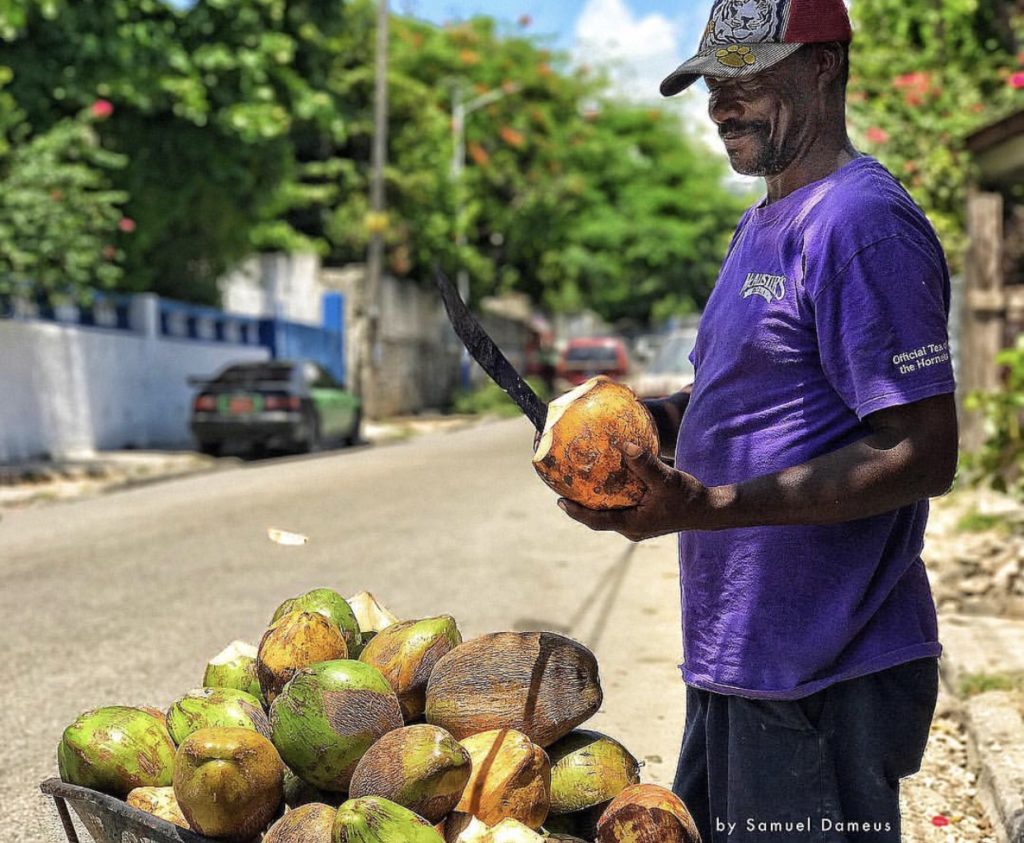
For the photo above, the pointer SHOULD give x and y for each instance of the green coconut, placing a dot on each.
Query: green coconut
(328, 716)
(331, 605)
(298, 793)
(371, 819)
(206, 707)
(235, 667)
(228, 781)
(588, 768)
(538, 683)
(116, 749)
(312, 823)
(294, 641)
(406, 653)
(422, 768)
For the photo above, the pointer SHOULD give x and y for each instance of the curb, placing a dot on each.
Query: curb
(995, 732)
(995, 729)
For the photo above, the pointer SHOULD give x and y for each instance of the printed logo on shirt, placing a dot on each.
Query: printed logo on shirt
(924, 357)
(769, 287)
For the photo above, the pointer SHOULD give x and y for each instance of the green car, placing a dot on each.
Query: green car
(290, 405)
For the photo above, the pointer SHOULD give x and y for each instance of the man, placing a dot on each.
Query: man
(820, 421)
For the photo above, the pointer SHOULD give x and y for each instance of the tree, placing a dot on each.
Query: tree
(924, 74)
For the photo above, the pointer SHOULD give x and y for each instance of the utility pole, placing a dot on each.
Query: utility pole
(460, 110)
(369, 362)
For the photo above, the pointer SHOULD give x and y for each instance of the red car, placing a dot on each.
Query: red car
(584, 358)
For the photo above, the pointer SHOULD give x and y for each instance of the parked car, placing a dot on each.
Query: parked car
(587, 357)
(671, 369)
(294, 405)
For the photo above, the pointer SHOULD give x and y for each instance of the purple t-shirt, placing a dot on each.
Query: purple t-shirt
(832, 304)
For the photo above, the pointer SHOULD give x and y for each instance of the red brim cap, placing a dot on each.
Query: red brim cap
(730, 62)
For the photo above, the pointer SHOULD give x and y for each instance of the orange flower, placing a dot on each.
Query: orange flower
(478, 154)
(512, 137)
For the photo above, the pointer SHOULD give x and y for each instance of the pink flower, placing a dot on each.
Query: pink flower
(126, 224)
(1016, 80)
(102, 109)
(877, 134)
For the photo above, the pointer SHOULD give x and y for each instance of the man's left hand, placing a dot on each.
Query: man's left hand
(674, 501)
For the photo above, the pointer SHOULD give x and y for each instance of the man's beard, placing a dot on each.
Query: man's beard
(765, 159)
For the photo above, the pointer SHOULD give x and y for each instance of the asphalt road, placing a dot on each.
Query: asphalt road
(121, 599)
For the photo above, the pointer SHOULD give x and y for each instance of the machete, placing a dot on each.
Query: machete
(482, 349)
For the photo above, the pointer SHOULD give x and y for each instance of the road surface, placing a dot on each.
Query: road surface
(121, 599)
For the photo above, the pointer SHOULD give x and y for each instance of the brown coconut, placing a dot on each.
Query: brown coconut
(311, 823)
(158, 801)
(228, 781)
(293, 642)
(647, 813)
(511, 779)
(406, 652)
(539, 683)
(422, 768)
(578, 454)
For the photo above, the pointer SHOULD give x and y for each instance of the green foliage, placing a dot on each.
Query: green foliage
(59, 218)
(247, 126)
(972, 684)
(1000, 462)
(924, 75)
(490, 399)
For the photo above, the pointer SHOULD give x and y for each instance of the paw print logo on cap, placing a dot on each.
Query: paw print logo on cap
(736, 56)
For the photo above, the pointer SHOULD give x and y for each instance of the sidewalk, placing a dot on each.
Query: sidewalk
(975, 557)
(48, 481)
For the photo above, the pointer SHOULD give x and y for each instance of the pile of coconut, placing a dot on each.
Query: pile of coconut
(346, 725)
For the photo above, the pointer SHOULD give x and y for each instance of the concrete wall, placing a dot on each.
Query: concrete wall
(418, 363)
(277, 286)
(70, 390)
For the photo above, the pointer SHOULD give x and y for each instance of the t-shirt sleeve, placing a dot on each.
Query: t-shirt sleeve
(882, 326)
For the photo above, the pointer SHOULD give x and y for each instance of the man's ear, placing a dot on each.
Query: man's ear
(830, 60)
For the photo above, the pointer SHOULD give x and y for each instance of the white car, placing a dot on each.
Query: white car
(671, 369)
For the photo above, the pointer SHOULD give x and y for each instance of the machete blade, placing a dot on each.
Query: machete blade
(483, 349)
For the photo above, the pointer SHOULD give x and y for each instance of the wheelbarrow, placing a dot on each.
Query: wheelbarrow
(110, 820)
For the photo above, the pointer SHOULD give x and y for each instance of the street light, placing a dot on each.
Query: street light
(461, 109)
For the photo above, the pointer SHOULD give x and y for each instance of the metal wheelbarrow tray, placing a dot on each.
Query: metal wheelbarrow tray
(109, 820)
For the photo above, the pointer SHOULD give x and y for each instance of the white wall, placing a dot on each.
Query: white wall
(277, 285)
(67, 390)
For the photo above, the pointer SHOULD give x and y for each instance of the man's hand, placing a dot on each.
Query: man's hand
(674, 501)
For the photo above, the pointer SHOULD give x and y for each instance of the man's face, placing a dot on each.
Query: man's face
(764, 119)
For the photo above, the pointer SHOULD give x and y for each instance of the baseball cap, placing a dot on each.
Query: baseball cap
(746, 37)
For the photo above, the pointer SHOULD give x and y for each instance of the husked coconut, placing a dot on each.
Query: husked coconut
(647, 813)
(538, 683)
(588, 768)
(332, 606)
(507, 831)
(116, 749)
(311, 823)
(235, 667)
(293, 642)
(328, 716)
(158, 801)
(371, 819)
(511, 779)
(578, 454)
(205, 707)
(228, 782)
(422, 768)
(406, 652)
